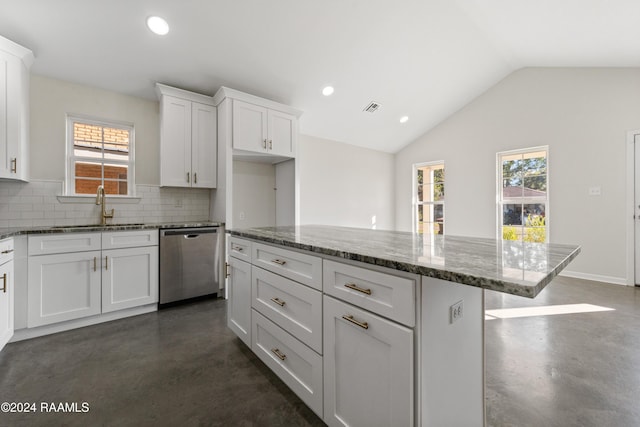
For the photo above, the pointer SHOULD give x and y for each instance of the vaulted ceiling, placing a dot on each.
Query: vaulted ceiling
(421, 58)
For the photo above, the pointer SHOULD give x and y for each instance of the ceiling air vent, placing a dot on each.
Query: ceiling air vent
(372, 107)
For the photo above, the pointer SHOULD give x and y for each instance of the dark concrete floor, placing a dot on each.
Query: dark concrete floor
(565, 370)
(183, 367)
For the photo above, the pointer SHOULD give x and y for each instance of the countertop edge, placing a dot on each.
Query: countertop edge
(510, 287)
(19, 231)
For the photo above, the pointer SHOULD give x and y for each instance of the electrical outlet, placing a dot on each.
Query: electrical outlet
(455, 312)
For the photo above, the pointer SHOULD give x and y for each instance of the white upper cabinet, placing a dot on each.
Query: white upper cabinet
(258, 126)
(15, 61)
(188, 141)
(263, 130)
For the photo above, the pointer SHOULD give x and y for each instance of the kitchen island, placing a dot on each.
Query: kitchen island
(374, 327)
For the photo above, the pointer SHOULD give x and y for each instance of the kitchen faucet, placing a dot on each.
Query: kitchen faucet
(100, 200)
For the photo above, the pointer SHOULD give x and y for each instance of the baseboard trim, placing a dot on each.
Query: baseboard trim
(596, 277)
(28, 333)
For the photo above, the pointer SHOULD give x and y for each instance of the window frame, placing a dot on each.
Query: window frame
(71, 158)
(500, 201)
(415, 203)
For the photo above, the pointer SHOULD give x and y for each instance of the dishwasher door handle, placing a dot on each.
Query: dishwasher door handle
(191, 236)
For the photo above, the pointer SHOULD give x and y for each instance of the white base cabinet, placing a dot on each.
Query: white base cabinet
(129, 278)
(67, 281)
(7, 292)
(239, 306)
(63, 287)
(368, 368)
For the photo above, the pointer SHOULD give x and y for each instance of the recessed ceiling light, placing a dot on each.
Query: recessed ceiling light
(327, 91)
(157, 25)
(404, 119)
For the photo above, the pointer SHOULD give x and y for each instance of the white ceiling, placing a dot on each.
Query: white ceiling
(421, 58)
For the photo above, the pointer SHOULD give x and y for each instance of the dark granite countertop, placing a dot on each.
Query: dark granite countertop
(17, 231)
(511, 267)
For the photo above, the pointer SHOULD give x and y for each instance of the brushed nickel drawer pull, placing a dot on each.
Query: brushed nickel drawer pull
(195, 177)
(278, 353)
(238, 248)
(357, 288)
(264, 143)
(95, 260)
(4, 286)
(106, 263)
(270, 144)
(227, 272)
(349, 318)
(278, 301)
(14, 165)
(278, 261)
(188, 177)
(8, 251)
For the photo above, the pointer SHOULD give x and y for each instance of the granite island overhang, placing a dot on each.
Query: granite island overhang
(512, 267)
(351, 304)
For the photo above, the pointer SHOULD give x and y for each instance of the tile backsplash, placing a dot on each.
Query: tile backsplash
(36, 204)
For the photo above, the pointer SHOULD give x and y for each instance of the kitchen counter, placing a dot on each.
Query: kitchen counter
(512, 267)
(17, 231)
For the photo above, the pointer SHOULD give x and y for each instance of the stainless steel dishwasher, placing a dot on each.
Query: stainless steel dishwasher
(190, 263)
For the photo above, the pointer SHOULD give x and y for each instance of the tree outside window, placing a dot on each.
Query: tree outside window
(523, 196)
(429, 198)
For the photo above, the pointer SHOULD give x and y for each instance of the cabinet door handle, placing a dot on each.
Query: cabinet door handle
(188, 177)
(195, 177)
(95, 261)
(237, 248)
(270, 144)
(278, 353)
(278, 301)
(264, 143)
(106, 263)
(4, 286)
(14, 165)
(349, 318)
(227, 272)
(357, 288)
(8, 251)
(278, 261)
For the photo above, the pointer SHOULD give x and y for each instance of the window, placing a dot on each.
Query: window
(429, 198)
(99, 153)
(523, 197)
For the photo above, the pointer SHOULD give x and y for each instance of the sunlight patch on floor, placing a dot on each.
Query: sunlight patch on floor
(548, 310)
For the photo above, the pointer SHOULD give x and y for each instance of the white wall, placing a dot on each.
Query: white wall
(583, 114)
(254, 198)
(51, 99)
(345, 185)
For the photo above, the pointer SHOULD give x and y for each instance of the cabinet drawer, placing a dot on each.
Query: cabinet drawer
(45, 244)
(6, 250)
(390, 296)
(240, 248)
(129, 239)
(292, 306)
(300, 267)
(297, 365)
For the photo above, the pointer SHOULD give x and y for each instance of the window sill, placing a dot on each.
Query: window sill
(91, 199)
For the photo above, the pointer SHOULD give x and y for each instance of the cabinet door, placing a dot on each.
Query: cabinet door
(63, 287)
(6, 303)
(368, 368)
(203, 145)
(239, 306)
(281, 133)
(175, 142)
(14, 108)
(249, 127)
(129, 278)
